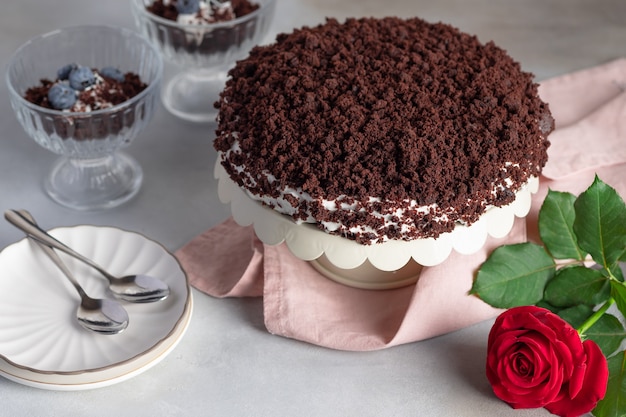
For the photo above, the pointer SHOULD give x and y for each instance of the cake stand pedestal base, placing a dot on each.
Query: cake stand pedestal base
(368, 277)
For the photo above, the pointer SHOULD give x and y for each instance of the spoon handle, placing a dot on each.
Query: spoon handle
(31, 228)
(54, 257)
(60, 264)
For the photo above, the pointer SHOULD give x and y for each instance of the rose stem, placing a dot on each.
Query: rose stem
(595, 317)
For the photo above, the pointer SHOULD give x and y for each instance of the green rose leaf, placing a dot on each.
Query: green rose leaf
(600, 223)
(548, 306)
(614, 402)
(577, 285)
(514, 275)
(576, 315)
(608, 332)
(556, 222)
(618, 292)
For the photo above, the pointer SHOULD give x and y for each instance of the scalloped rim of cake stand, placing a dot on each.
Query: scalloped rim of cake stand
(308, 243)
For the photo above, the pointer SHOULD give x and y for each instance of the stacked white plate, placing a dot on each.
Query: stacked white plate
(41, 342)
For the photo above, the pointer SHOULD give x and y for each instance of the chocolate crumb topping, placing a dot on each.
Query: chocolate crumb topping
(391, 109)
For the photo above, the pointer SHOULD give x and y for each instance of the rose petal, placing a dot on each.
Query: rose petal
(564, 338)
(536, 385)
(542, 353)
(569, 343)
(593, 385)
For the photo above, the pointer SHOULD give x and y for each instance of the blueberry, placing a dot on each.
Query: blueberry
(64, 72)
(113, 73)
(61, 96)
(81, 78)
(187, 6)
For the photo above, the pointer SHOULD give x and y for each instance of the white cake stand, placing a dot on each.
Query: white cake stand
(385, 265)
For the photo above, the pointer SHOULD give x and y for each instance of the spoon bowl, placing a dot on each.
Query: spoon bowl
(139, 288)
(100, 315)
(133, 288)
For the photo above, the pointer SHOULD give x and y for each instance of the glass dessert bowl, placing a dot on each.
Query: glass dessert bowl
(91, 172)
(199, 54)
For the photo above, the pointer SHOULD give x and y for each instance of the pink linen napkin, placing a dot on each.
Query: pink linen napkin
(299, 303)
(589, 107)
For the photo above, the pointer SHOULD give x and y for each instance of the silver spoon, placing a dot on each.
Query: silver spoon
(134, 288)
(96, 314)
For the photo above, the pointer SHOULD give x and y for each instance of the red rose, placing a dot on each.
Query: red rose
(536, 359)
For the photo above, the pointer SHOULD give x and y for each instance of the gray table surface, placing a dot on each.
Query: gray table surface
(227, 364)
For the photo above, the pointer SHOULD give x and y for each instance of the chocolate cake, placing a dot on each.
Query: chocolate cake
(380, 129)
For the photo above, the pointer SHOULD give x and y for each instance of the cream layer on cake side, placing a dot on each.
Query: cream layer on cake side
(300, 205)
(309, 242)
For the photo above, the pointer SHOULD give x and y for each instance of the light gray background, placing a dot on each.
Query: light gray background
(227, 364)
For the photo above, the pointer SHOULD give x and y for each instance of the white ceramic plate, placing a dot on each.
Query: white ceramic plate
(42, 344)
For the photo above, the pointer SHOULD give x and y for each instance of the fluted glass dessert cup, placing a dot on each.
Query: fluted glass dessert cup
(91, 173)
(198, 57)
